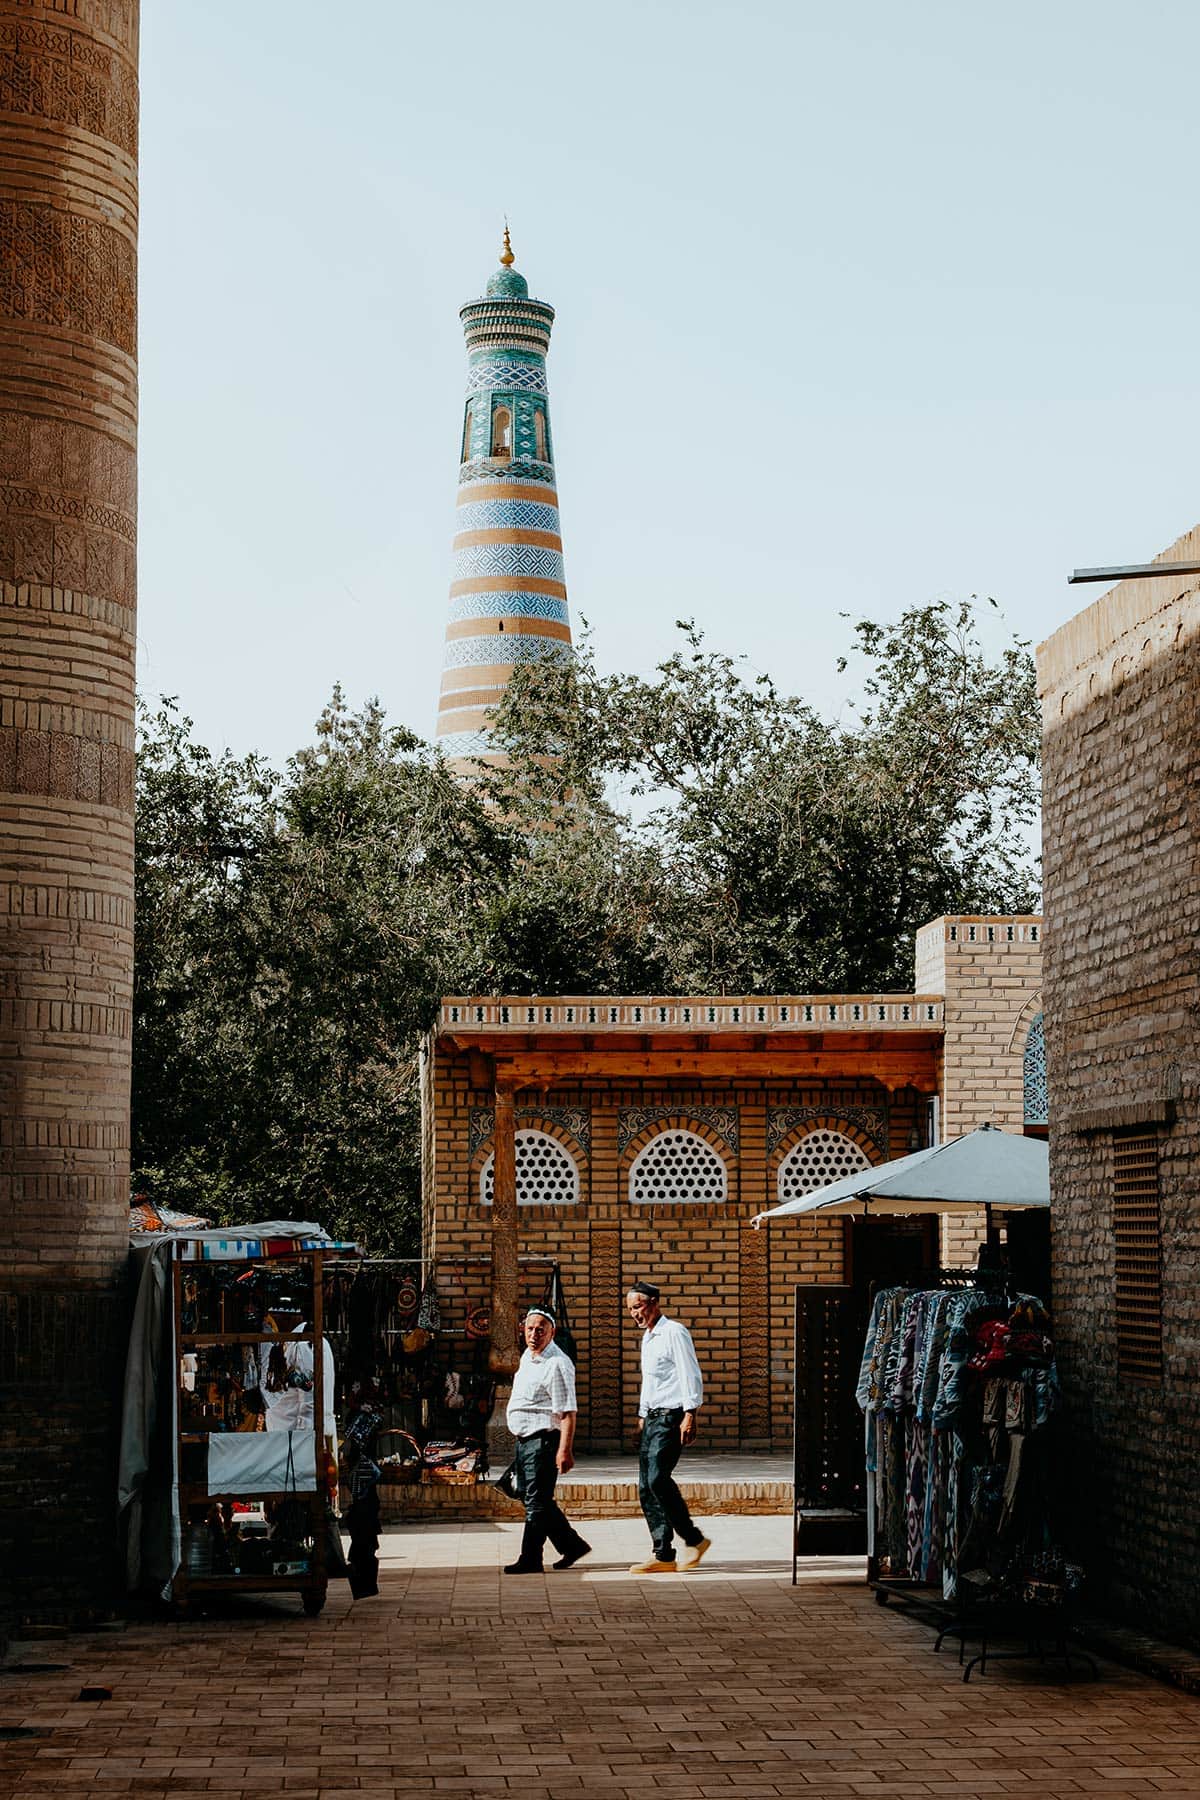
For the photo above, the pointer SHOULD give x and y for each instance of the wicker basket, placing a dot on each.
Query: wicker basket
(403, 1474)
(451, 1477)
(452, 1474)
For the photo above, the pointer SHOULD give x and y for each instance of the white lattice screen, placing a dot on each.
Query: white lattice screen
(677, 1167)
(821, 1156)
(546, 1172)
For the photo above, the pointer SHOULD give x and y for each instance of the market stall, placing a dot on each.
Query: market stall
(229, 1449)
(956, 1425)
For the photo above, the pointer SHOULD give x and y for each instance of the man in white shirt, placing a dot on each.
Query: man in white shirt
(672, 1390)
(541, 1416)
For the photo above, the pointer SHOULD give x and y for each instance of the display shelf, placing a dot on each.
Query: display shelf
(195, 1499)
(205, 1340)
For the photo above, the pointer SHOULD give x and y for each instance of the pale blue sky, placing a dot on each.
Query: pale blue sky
(858, 305)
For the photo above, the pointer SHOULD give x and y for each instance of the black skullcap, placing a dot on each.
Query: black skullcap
(541, 1312)
(647, 1290)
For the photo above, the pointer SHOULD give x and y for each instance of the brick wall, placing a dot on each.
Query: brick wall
(989, 973)
(1120, 686)
(731, 1285)
(68, 496)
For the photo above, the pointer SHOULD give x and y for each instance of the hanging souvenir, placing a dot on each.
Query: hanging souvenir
(555, 1298)
(408, 1299)
(429, 1314)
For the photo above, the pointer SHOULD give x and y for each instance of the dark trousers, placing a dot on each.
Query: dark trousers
(663, 1504)
(544, 1517)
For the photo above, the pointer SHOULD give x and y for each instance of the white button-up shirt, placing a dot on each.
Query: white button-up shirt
(670, 1373)
(543, 1390)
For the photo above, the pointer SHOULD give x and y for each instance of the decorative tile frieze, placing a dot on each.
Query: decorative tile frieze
(633, 1119)
(575, 1120)
(1037, 1102)
(513, 647)
(500, 515)
(494, 375)
(799, 1015)
(508, 603)
(870, 1120)
(507, 559)
(522, 469)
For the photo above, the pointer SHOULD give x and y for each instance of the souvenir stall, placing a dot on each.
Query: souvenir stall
(229, 1446)
(959, 1391)
(956, 1430)
(414, 1391)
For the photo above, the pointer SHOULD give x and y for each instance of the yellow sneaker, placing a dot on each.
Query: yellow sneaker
(653, 1567)
(695, 1552)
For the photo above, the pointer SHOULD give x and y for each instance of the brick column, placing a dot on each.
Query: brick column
(68, 483)
(989, 972)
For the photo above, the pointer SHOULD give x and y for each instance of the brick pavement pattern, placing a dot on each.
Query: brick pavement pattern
(728, 1682)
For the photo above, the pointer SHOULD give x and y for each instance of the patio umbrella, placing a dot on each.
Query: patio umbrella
(985, 1168)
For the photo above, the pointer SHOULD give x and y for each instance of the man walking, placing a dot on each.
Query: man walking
(672, 1390)
(541, 1416)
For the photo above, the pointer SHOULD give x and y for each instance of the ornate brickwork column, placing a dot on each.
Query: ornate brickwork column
(68, 435)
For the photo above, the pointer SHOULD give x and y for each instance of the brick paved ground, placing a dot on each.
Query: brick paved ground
(726, 1683)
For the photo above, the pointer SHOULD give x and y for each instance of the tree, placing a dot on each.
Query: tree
(296, 932)
(295, 936)
(794, 854)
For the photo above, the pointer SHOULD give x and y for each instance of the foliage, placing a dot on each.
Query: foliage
(696, 831)
(795, 854)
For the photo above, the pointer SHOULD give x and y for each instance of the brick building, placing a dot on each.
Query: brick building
(1120, 687)
(68, 498)
(649, 1132)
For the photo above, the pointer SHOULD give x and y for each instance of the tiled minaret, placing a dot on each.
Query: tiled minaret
(508, 600)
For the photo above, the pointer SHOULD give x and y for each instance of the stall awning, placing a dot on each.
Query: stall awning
(985, 1168)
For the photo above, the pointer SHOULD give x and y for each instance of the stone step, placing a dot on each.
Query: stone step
(586, 1498)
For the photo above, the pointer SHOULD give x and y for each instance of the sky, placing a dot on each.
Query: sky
(858, 306)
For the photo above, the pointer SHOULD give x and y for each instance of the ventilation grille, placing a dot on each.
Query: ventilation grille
(820, 1157)
(547, 1174)
(677, 1167)
(1138, 1256)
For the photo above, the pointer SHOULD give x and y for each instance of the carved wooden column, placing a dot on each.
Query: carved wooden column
(505, 1352)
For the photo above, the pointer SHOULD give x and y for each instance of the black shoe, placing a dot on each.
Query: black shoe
(573, 1556)
(523, 1568)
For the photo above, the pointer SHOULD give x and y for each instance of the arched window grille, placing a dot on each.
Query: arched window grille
(547, 1174)
(821, 1156)
(677, 1167)
(466, 443)
(502, 432)
(539, 434)
(1037, 1107)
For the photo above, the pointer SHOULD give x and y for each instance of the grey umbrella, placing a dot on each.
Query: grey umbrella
(985, 1168)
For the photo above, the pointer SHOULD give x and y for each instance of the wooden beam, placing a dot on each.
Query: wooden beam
(892, 1068)
(504, 1044)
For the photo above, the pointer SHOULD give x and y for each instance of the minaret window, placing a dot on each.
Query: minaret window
(502, 433)
(539, 433)
(468, 422)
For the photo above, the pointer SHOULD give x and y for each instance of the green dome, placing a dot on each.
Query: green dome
(506, 284)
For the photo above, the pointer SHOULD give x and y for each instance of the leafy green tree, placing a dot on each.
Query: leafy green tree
(795, 854)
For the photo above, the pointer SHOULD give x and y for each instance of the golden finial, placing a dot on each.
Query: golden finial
(506, 255)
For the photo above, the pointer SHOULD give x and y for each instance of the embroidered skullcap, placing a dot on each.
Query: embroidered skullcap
(646, 1289)
(541, 1312)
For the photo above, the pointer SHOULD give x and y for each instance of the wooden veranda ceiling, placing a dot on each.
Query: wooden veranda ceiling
(894, 1059)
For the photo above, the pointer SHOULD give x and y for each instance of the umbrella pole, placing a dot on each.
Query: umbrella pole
(991, 1232)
